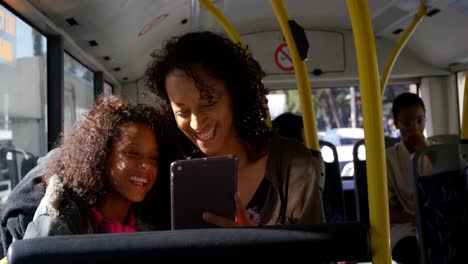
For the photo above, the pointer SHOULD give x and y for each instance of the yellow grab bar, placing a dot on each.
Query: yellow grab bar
(401, 43)
(208, 5)
(373, 128)
(302, 77)
(235, 37)
(464, 130)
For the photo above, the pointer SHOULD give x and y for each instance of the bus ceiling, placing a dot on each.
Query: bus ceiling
(112, 34)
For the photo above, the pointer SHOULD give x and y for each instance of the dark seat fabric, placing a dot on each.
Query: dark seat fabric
(27, 165)
(360, 185)
(327, 242)
(442, 207)
(360, 180)
(333, 197)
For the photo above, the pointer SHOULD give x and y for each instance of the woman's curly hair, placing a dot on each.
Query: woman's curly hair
(83, 153)
(225, 61)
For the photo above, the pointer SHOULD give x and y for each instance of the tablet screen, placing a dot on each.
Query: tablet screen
(202, 185)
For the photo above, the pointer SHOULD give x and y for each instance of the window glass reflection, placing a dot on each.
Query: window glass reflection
(23, 86)
(78, 91)
(338, 116)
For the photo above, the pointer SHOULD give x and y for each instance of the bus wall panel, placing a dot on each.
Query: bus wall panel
(441, 106)
(407, 66)
(326, 51)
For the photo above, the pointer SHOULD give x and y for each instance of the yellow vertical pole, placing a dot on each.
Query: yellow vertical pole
(401, 43)
(235, 37)
(373, 128)
(464, 130)
(302, 77)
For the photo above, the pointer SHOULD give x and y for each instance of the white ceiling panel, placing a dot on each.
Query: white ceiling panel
(128, 30)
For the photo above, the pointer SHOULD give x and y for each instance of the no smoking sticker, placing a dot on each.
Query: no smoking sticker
(283, 59)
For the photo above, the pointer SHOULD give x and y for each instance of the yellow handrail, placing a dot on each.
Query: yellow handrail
(235, 37)
(373, 128)
(464, 130)
(401, 43)
(208, 5)
(302, 77)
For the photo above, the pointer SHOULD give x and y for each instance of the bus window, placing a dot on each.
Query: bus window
(108, 89)
(78, 91)
(23, 75)
(339, 116)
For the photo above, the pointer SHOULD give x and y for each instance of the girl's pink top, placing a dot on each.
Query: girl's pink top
(101, 225)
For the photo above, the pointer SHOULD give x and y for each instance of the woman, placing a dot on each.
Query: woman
(107, 163)
(213, 89)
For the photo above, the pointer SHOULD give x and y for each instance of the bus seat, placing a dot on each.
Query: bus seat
(360, 178)
(333, 197)
(391, 141)
(360, 184)
(28, 164)
(326, 242)
(8, 164)
(441, 200)
(445, 138)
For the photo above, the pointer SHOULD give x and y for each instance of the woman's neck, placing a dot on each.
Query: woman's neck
(236, 148)
(114, 207)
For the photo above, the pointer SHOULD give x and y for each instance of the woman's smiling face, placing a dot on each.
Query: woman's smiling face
(206, 116)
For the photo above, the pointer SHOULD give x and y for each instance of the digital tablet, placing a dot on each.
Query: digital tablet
(202, 185)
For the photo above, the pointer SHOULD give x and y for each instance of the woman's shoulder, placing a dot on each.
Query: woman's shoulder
(288, 147)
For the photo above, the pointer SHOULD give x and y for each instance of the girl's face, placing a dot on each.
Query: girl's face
(133, 163)
(207, 118)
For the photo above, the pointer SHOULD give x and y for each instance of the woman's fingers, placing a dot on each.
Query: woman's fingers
(218, 220)
(242, 217)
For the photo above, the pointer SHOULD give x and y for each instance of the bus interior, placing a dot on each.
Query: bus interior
(56, 56)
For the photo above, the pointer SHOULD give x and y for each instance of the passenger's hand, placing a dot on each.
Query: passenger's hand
(242, 217)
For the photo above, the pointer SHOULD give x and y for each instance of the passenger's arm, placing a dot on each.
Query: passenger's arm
(397, 214)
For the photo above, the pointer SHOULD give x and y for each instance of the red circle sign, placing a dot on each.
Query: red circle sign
(282, 58)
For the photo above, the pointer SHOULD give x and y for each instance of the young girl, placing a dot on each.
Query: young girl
(107, 163)
(213, 90)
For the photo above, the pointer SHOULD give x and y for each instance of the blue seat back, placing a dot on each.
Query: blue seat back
(445, 138)
(360, 184)
(333, 198)
(441, 200)
(360, 179)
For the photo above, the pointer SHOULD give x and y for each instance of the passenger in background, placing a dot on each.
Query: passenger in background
(107, 163)
(409, 115)
(289, 125)
(212, 89)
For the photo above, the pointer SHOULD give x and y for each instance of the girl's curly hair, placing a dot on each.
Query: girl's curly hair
(83, 153)
(225, 61)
